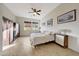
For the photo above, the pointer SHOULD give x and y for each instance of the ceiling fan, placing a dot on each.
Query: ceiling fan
(35, 11)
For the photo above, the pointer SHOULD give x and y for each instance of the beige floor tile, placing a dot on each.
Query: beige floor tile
(23, 48)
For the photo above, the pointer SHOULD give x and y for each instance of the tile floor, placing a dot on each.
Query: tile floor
(22, 47)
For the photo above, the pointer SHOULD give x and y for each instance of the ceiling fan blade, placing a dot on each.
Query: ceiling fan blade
(39, 11)
(33, 9)
(30, 12)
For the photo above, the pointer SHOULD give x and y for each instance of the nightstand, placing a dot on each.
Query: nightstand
(61, 40)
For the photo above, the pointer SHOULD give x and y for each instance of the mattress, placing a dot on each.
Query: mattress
(39, 38)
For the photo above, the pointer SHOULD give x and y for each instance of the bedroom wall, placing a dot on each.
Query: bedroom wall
(0, 34)
(20, 20)
(44, 27)
(4, 11)
(7, 13)
(0, 28)
(73, 26)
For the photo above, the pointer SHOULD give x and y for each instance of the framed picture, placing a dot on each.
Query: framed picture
(50, 22)
(67, 17)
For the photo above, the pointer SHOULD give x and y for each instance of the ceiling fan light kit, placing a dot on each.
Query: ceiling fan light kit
(34, 14)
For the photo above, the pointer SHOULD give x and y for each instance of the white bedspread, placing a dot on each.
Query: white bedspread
(39, 38)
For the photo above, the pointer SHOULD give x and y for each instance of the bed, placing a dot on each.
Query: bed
(40, 38)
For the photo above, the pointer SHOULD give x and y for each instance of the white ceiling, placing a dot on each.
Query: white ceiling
(22, 9)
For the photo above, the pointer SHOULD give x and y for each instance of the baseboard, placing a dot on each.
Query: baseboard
(73, 50)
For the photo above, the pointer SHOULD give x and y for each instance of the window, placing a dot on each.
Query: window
(27, 25)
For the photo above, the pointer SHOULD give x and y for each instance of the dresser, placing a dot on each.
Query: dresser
(61, 40)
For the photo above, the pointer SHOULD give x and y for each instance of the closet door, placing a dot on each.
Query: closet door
(11, 32)
(5, 33)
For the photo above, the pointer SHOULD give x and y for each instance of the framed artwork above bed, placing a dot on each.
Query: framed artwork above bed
(67, 17)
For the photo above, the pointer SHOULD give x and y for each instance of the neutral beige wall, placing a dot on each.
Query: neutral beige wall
(7, 13)
(0, 28)
(20, 20)
(73, 26)
(63, 8)
(4, 11)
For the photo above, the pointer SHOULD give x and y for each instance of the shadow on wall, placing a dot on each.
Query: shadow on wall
(64, 31)
(73, 43)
